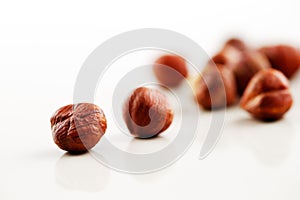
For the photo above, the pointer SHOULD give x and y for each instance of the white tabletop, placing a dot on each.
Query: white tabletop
(42, 48)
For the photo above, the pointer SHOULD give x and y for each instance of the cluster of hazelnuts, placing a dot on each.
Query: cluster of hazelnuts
(258, 77)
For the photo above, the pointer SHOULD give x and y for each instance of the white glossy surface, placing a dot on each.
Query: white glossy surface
(42, 47)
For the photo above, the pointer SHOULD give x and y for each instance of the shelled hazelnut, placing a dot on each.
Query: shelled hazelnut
(250, 63)
(147, 113)
(231, 53)
(283, 58)
(173, 71)
(215, 88)
(267, 96)
(236, 43)
(242, 60)
(78, 128)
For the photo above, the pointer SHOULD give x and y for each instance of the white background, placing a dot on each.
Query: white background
(42, 47)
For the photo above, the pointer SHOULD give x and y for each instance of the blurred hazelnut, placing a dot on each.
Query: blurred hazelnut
(267, 96)
(243, 61)
(250, 63)
(216, 87)
(147, 113)
(236, 43)
(174, 71)
(283, 58)
(231, 53)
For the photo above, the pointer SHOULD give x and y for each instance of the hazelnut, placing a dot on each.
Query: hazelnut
(216, 87)
(78, 128)
(250, 63)
(283, 58)
(147, 113)
(236, 43)
(174, 71)
(231, 53)
(267, 96)
(243, 61)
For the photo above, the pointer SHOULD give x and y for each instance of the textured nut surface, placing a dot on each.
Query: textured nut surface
(250, 63)
(267, 97)
(147, 113)
(79, 127)
(216, 88)
(283, 58)
(173, 73)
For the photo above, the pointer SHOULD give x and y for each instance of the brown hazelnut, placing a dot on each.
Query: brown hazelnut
(231, 53)
(174, 71)
(267, 96)
(236, 43)
(147, 113)
(243, 61)
(250, 63)
(78, 128)
(216, 87)
(283, 58)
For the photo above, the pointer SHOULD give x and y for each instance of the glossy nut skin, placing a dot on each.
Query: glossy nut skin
(174, 73)
(78, 128)
(147, 113)
(283, 58)
(267, 97)
(216, 88)
(250, 63)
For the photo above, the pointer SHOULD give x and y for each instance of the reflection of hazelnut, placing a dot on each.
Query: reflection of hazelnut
(172, 75)
(283, 58)
(216, 88)
(147, 113)
(250, 63)
(267, 96)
